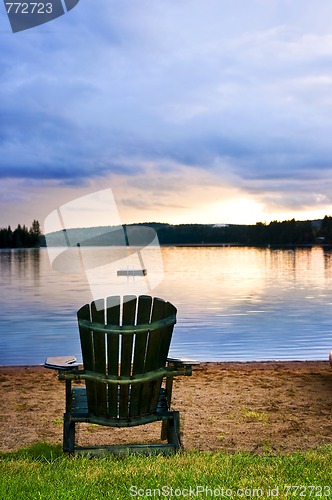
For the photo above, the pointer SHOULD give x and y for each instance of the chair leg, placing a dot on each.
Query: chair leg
(173, 430)
(164, 430)
(68, 434)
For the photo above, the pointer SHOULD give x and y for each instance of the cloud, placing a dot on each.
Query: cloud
(238, 91)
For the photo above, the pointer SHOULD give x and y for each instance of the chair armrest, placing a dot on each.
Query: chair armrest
(61, 363)
(182, 364)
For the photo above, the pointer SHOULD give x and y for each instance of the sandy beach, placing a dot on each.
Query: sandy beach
(257, 407)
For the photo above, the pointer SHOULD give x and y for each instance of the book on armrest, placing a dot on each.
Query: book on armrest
(61, 363)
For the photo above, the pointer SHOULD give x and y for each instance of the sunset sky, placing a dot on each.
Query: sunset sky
(207, 111)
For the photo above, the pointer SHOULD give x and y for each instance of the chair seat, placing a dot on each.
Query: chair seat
(80, 411)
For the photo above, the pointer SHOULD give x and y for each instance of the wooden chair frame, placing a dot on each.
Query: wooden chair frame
(127, 372)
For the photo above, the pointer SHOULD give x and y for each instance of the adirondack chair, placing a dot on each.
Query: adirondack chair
(128, 377)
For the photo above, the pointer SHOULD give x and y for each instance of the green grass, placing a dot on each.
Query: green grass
(43, 472)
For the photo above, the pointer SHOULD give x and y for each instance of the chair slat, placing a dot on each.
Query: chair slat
(143, 317)
(87, 353)
(166, 335)
(86, 338)
(99, 350)
(113, 317)
(99, 345)
(152, 354)
(128, 318)
(150, 390)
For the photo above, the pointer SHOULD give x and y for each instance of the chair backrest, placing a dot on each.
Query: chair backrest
(125, 338)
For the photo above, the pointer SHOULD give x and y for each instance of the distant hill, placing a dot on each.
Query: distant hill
(132, 234)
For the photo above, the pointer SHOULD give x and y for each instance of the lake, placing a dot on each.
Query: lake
(234, 303)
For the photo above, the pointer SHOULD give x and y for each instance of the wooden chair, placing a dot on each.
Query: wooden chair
(128, 376)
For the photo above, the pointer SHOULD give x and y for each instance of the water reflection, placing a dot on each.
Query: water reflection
(246, 303)
(233, 304)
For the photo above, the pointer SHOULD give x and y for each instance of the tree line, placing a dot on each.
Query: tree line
(21, 237)
(284, 233)
(279, 233)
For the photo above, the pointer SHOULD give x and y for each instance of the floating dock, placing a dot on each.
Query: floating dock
(132, 272)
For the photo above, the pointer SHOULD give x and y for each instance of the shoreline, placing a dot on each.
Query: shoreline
(221, 364)
(202, 244)
(226, 363)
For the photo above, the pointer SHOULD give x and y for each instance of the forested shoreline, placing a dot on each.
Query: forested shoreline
(284, 233)
(22, 237)
(278, 233)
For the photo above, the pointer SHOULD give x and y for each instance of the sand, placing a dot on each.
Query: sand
(256, 407)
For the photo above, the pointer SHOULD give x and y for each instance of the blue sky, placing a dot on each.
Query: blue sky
(209, 111)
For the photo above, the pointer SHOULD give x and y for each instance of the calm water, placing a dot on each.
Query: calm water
(233, 304)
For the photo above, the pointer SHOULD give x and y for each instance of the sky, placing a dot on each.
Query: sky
(189, 111)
